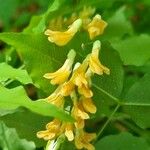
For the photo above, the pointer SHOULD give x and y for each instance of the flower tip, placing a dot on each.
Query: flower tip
(47, 32)
(97, 45)
(107, 71)
(46, 75)
(97, 16)
(71, 54)
(78, 22)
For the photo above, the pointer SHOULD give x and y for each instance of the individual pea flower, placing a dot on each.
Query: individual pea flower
(88, 105)
(78, 79)
(56, 98)
(56, 128)
(83, 139)
(96, 26)
(68, 130)
(62, 74)
(62, 38)
(79, 114)
(52, 130)
(94, 62)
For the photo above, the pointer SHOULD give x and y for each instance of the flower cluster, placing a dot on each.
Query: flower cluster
(94, 26)
(75, 84)
(74, 80)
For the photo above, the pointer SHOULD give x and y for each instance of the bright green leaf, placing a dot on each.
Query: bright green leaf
(38, 55)
(8, 72)
(16, 97)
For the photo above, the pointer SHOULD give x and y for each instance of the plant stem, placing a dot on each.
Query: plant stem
(108, 120)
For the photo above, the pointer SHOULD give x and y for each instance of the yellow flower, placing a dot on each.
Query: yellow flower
(56, 98)
(96, 26)
(67, 129)
(85, 90)
(62, 74)
(83, 139)
(78, 79)
(67, 88)
(52, 130)
(62, 38)
(79, 114)
(94, 63)
(88, 105)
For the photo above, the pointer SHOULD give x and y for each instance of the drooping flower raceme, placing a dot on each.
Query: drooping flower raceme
(74, 83)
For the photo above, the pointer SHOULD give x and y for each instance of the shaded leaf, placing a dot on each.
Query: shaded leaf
(123, 141)
(134, 50)
(137, 102)
(118, 26)
(9, 140)
(27, 124)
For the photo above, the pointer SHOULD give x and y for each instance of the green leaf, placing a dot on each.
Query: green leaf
(16, 97)
(38, 54)
(9, 140)
(40, 50)
(134, 50)
(118, 26)
(8, 72)
(137, 102)
(123, 141)
(27, 124)
(107, 88)
(38, 23)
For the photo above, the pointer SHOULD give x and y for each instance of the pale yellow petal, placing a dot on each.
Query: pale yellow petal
(69, 134)
(67, 88)
(96, 26)
(46, 135)
(94, 62)
(88, 105)
(69, 131)
(85, 90)
(62, 38)
(80, 123)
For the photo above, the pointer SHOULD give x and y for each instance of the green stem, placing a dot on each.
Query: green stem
(109, 95)
(107, 122)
